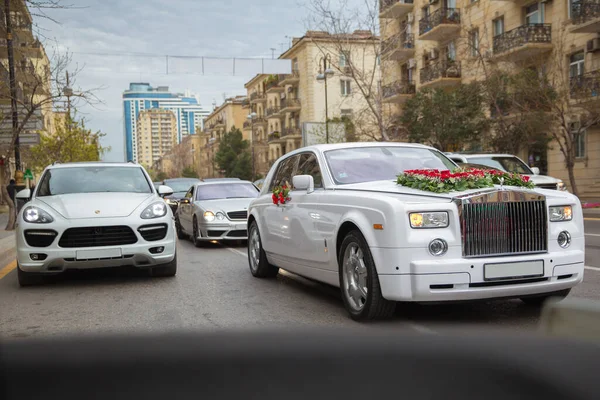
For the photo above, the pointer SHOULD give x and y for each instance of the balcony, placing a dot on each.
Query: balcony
(526, 41)
(290, 105)
(442, 24)
(398, 91)
(394, 9)
(260, 121)
(586, 87)
(246, 103)
(292, 131)
(257, 97)
(273, 137)
(399, 47)
(441, 74)
(290, 79)
(585, 16)
(272, 85)
(273, 112)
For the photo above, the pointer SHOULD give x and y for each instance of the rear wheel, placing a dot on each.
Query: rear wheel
(180, 233)
(257, 258)
(359, 281)
(28, 278)
(541, 299)
(196, 233)
(165, 270)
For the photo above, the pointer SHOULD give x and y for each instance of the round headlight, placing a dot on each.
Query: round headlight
(220, 216)
(564, 239)
(438, 247)
(209, 216)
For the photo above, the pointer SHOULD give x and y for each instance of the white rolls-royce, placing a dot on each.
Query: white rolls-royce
(348, 222)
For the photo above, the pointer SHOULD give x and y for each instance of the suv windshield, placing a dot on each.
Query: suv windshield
(182, 185)
(508, 164)
(226, 191)
(367, 164)
(93, 180)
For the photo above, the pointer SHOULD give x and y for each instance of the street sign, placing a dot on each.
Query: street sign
(28, 174)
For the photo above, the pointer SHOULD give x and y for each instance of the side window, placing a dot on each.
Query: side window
(308, 165)
(190, 193)
(284, 172)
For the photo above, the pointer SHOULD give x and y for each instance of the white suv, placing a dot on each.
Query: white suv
(510, 163)
(94, 215)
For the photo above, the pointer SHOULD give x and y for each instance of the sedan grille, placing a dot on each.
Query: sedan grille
(504, 228)
(40, 238)
(152, 233)
(240, 233)
(98, 236)
(238, 215)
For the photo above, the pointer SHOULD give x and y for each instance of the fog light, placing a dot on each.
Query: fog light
(564, 239)
(38, 256)
(157, 250)
(438, 247)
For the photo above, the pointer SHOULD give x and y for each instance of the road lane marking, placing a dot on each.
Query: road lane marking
(236, 251)
(592, 268)
(8, 268)
(592, 234)
(422, 328)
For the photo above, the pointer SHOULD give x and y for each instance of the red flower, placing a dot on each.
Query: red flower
(275, 199)
(526, 178)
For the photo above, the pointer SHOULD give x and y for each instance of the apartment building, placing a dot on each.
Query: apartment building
(445, 43)
(228, 115)
(156, 135)
(282, 105)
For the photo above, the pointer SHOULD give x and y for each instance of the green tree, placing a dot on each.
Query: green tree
(446, 119)
(188, 172)
(233, 155)
(70, 142)
(161, 176)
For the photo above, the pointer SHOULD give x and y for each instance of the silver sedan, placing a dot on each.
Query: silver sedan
(215, 211)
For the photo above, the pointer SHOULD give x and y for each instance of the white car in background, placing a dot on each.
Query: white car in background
(94, 215)
(510, 163)
(349, 224)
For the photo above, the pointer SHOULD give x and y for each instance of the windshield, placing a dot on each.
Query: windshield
(227, 191)
(181, 186)
(508, 164)
(93, 180)
(367, 164)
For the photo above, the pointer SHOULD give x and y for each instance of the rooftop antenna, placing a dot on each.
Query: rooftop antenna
(290, 41)
(282, 44)
(273, 52)
(214, 104)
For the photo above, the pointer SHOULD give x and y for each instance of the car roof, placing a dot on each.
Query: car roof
(354, 145)
(218, 182)
(94, 164)
(181, 179)
(480, 155)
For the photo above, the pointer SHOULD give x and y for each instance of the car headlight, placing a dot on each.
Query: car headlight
(155, 210)
(171, 201)
(438, 219)
(561, 186)
(209, 216)
(561, 213)
(220, 216)
(36, 215)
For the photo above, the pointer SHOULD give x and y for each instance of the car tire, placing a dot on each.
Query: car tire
(357, 268)
(165, 270)
(179, 230)
(28, 278)
(257, 258)
(196, 233)
(541, 299)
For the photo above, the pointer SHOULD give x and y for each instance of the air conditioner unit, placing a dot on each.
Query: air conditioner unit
(433, 54)
(410, 18)
(412, 63)
(593, 45)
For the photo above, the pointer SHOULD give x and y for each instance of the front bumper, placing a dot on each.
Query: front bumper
(223, 230)
(59, 259)
(457, 279)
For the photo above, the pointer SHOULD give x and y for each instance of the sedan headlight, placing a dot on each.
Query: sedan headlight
(209, 216)
(220, 216)
(36, 215)
(561, 213)
(561, 186)
(155, 210)
(438, 219)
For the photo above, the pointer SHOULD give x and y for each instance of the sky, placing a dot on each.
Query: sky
(117, 31)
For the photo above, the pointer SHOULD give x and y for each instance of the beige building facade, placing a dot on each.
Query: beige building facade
(444, 43)
(157, 135)
(282, 104)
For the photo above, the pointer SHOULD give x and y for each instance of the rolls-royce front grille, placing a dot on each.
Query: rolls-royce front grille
(504, 228)
(97, 236)
(238, 215)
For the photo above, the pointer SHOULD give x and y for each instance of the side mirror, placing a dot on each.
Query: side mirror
(164, 191)
(303, 182)
(536, 170)
(24, 194)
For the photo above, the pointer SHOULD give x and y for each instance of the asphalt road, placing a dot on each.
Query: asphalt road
(214, 290)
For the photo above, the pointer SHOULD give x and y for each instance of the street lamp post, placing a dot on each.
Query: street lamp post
(251, 117)
(325, 72)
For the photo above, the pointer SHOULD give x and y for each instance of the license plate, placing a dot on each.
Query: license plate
(98, 253)
(515, 270)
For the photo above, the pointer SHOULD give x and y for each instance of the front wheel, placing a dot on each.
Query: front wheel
(541, 299)
(196, 233)
(359, 281)
(257, 258)
(179, 229)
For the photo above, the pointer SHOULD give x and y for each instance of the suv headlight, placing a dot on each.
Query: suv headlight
(561, 213)
(437, 219)
(155, 210)
(36, 215)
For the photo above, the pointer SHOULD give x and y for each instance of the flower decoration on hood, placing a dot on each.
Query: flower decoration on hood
(281, 194)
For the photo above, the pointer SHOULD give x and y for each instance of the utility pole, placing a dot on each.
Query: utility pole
(273, 53)
(13, 90)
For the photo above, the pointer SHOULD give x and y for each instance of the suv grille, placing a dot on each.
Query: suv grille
(40, 238)
(98, 236)
(495, 229)
(238, 215)
(152, 233)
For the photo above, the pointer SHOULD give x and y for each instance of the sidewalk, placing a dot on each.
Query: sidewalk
(7, 238)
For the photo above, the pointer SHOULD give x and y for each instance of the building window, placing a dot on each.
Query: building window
(347, 112)
(346, 87)
(579, 139)
(474, 42)
(498, 26)
(451, 51)
(343, 60)
(534, 14)
(576, 64)
(574, 5)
